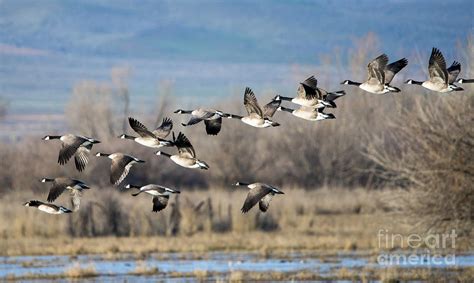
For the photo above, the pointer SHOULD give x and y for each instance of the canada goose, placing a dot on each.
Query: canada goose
(47, 207)
(212, 118)
(380, 75)
(121, 164)
(79, 146)
(186, 156)
(59, 185)
(146, 137)
(160, 194)
(309, 95)
(465, 81)
(309, 114)
(256, 116)
(259, 192)
(441, 79)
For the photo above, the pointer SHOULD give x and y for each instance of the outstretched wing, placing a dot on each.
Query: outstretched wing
(308, 88)
(376, 70)
(159, 203)
(139, 128)
(393, 68)
(56, 190)
(69, 147)
(81, 157)
(119, 169)
(253, 197)
(185, 149)
(76, 199)
(264, 203)
(437, 67)
(213, 127)
(454, 71)
(164, 129)
(251, 104)
(270, 108)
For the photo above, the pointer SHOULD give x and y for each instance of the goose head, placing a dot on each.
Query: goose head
(49, 137)
(102, 154)
(172, 191)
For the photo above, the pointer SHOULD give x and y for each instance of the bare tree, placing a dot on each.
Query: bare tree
(120, 77)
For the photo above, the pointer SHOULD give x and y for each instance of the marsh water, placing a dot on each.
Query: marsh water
(167, 267)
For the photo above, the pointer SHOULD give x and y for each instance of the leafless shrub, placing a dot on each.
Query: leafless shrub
(429, 149)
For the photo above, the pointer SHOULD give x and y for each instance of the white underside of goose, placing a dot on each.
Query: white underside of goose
(48, 209)
(255, 122)
(374, 88)
(308, 115)
(149, 142)
(436, 86)
(185, 162)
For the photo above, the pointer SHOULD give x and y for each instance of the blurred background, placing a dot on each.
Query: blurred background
(403, 161)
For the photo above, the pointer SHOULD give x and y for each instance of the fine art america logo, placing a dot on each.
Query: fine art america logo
(422, 250)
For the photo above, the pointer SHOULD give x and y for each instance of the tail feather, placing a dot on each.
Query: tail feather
(455, 87)
(392, 88)
(166, 143)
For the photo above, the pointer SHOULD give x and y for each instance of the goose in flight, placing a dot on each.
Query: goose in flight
(212, 119)
(440, 79)
(309, 114)
(79, 146)
(148, 138)
(257, 117)
(47, 207)
(259, 193)
(121, 164)
(60, 184)
(160, 194)
(380, 75)
(310, 95)
(186, 156)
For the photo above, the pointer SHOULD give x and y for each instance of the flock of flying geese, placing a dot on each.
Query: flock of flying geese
(312, 100)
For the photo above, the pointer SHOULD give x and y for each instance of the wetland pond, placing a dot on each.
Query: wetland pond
(170, 267)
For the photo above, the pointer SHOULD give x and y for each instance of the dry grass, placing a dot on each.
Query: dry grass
(79, 271)
(326, 219)
(142, 268)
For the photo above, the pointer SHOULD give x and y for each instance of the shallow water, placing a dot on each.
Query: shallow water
(214, 262)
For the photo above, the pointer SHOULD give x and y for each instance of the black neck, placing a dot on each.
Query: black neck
(286, 109)
(234, 116)
(416, 82)
(353, 83)
(242, 184)
(54, 137)
(165, 154)
(47, 180)
(286, 98)
(133, 186)
(128, 137)
(185, 111)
